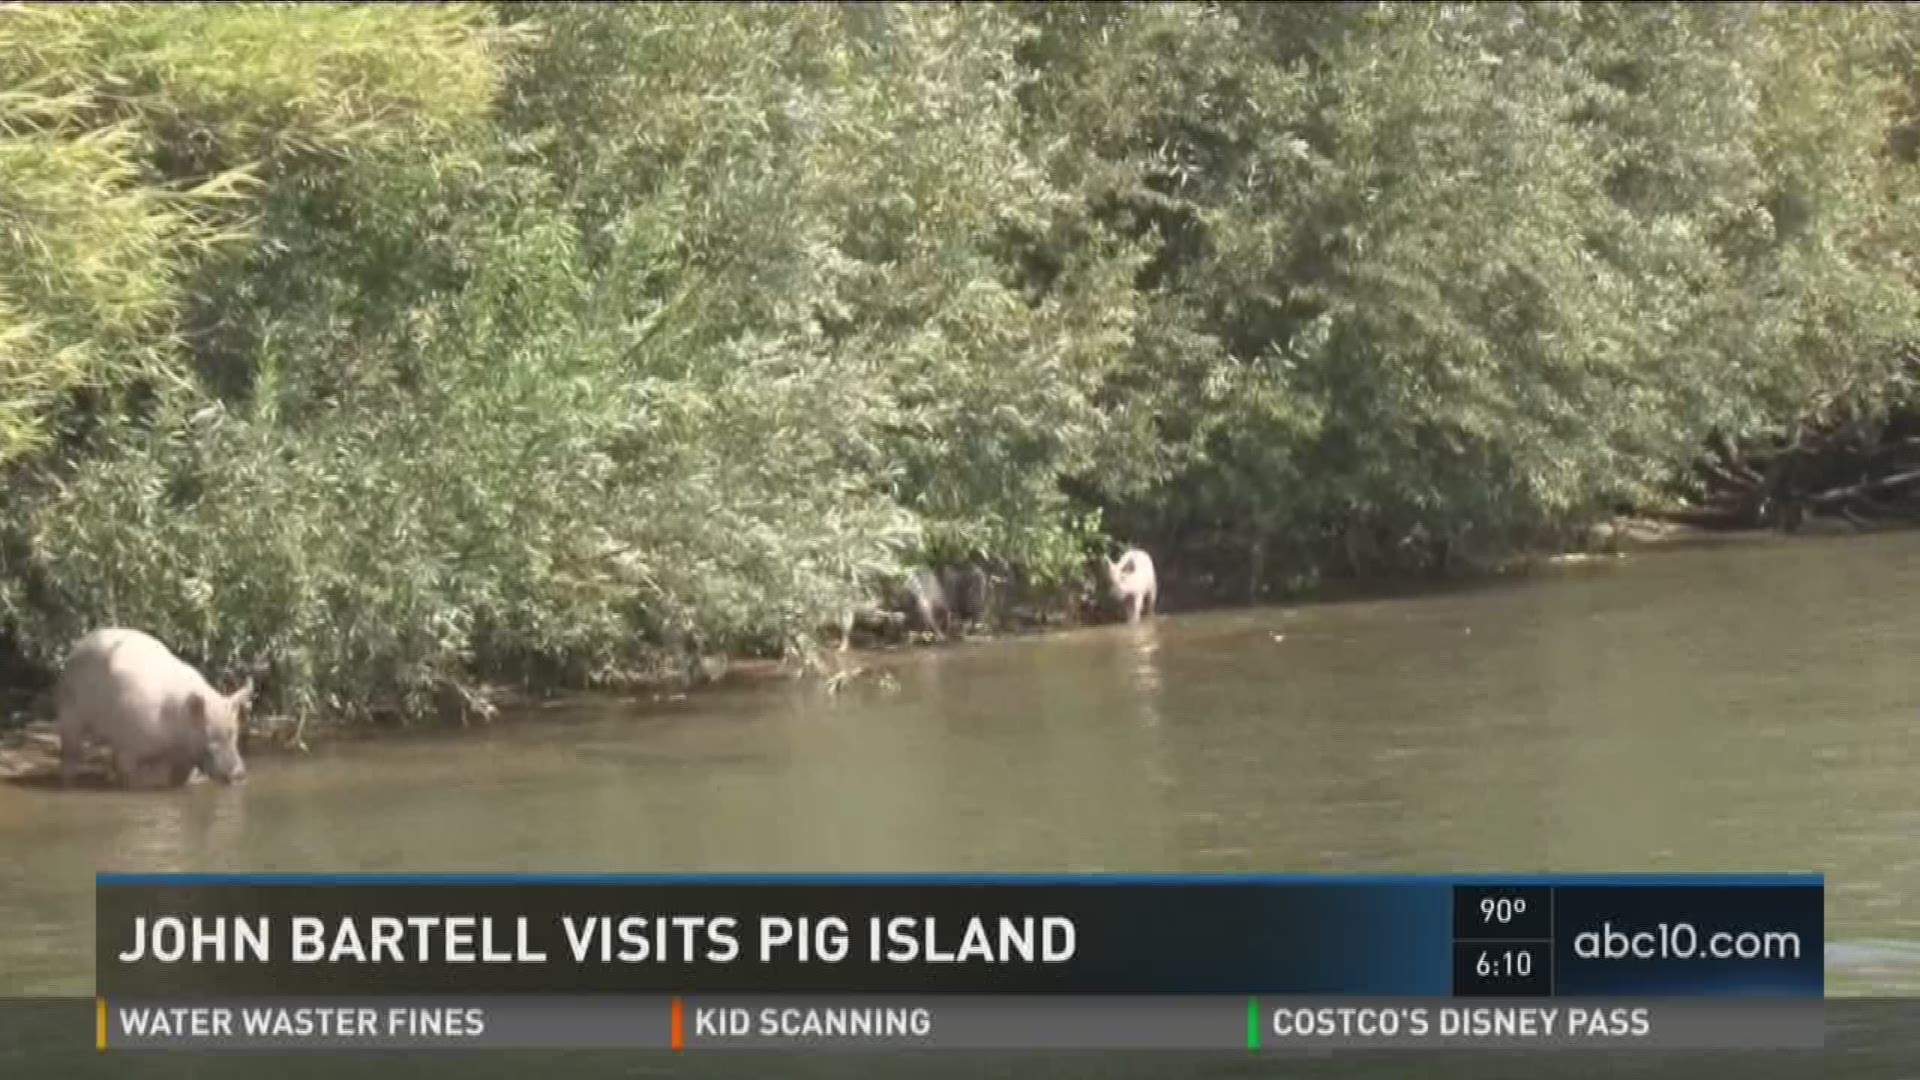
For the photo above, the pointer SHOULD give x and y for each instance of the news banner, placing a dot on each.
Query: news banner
(946, 963)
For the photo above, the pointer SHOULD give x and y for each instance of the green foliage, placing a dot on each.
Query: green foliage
(1464, 275)
(854, 181)
(400, 348)
(128, 134)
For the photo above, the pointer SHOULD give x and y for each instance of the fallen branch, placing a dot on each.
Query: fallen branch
(1742, 479)
(1870, 487)
(1699, 517)
(1898, 445)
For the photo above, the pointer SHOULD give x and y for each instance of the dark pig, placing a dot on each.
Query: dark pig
(967, 590)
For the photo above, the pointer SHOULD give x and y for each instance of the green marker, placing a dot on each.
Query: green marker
(1253, 1023)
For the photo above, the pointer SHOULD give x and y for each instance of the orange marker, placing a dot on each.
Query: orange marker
(679, 1025)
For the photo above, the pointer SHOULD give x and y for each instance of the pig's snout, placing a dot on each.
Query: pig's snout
(226, 768)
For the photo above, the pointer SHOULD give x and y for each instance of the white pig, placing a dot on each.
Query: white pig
(1132, 581)
(156, 712)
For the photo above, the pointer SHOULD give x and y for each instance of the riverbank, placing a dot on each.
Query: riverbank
(29, 747)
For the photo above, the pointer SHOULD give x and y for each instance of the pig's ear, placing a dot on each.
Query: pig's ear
(197, 709)
(242, 697)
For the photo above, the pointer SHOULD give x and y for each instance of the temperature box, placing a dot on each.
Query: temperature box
(1502, 913)
(1502, 941)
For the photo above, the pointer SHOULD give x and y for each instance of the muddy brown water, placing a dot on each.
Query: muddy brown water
(1730, 708)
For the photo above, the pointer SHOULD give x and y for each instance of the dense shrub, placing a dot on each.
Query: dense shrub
(388, 351)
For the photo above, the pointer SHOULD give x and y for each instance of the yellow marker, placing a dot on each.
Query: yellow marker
(100, 1027)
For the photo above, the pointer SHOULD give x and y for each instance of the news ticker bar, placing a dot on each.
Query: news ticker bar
(162, 937)
(976, 1023)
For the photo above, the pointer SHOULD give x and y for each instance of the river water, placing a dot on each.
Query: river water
(1745, 707)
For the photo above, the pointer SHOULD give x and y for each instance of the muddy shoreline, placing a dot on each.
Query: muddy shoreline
(29, 749)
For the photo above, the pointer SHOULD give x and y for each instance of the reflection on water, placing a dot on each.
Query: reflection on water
(1747, 708)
